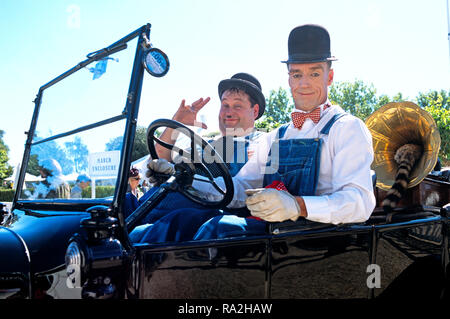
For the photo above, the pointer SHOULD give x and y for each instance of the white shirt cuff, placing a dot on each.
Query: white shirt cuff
(318, 208)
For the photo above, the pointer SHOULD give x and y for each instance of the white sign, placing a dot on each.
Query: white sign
(104, 164)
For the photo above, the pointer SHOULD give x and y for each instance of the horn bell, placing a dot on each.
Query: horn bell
(394, 125)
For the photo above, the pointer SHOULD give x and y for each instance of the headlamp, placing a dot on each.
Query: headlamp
(75, 261)
(95, 258)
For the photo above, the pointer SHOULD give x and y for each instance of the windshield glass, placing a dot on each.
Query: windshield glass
(67, 162)
(94, 93)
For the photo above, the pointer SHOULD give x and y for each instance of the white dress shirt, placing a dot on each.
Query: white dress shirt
(344, 191)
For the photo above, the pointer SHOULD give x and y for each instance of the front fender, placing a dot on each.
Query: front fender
(46, 235)
(15, 264)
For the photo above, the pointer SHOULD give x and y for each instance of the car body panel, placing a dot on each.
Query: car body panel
(15, 270)
(229, 270)
(325, 261)
(46, 234)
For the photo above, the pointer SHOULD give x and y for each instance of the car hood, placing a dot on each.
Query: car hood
(44, 235)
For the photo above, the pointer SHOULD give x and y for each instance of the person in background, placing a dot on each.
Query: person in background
(53, 185)
(133, 193)
(81, 183)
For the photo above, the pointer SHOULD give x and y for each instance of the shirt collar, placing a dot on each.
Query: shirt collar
(322, 111)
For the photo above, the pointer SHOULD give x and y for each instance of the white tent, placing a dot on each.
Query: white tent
(28, 177)
(32, 178)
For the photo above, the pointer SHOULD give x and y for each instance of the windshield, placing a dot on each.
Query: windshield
(76, 149)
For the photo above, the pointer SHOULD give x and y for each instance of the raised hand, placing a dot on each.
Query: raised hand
(187, 114)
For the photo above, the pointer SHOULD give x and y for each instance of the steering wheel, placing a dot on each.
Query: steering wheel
(201, 157)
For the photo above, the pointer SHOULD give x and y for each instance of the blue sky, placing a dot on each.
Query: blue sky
(396, 45)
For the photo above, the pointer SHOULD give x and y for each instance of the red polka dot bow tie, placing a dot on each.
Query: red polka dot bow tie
(299, 118)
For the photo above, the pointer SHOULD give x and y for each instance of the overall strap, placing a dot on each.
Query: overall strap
(326, 129)
(282, 130)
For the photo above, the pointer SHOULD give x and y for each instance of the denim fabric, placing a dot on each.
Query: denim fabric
(236, 159)
(178, 225)
(173, 201)
(298, 165)
(131, 203)
(169, 222)
(230, 226)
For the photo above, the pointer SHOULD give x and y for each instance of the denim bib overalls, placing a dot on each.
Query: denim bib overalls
(177, 218)
(237, 159)
(295, 162)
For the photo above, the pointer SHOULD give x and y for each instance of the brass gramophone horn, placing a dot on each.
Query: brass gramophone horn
(394, 125)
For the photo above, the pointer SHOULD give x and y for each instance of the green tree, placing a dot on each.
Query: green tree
(440, 99)
(6, 170)
(438, 105)
(78, 153)
(361, 100)
(140, 148)
(278, 110)
(33, 165)
(114, 144)
(384, 99)
(356, 98)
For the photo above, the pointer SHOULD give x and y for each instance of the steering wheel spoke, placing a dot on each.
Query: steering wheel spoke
(213, 183)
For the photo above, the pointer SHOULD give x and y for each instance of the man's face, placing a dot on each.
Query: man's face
(236, 116)
(134, 182)
(309, 84)
(83, 185)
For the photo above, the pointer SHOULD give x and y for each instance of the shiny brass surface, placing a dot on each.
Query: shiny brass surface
(394, 125)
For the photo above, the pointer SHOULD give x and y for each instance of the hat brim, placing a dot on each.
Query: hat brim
(300, 61)
(247, 87)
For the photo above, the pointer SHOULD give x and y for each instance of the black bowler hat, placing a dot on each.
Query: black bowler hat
(309, 43)
(247, 83)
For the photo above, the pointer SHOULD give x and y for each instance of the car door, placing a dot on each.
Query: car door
(316, 261)
(411, 254)
(230, 268)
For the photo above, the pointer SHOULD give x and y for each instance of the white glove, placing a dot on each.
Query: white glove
(272, 205)
(159, 166)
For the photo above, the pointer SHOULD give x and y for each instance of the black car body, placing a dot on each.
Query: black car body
(71, 248)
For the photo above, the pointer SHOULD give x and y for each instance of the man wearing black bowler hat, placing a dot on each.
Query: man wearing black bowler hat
(315, 167)
(242, 103)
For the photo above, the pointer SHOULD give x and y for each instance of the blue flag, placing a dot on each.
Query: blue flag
(100, 67)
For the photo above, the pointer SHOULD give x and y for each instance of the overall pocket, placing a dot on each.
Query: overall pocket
(295, 165)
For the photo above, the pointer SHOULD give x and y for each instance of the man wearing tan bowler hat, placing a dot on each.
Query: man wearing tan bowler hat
(316, 167)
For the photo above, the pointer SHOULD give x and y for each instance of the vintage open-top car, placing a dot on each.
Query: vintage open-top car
(62, 245)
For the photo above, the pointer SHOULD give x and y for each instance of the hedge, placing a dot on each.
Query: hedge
(100, 191)
(6, 195)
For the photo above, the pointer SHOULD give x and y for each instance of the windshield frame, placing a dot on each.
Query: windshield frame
(129, 113)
